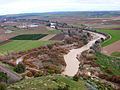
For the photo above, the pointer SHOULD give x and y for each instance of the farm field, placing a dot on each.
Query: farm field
(106, 61)
(22, 45)
(1, 40)
(109, 49)
(29, 37)
(115, 34)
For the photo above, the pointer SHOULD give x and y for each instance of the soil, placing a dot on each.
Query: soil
(108, 50)
(115, 28)
(6, 37)
(58, 37)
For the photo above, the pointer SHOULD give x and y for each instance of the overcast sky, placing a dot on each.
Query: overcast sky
(30, 6)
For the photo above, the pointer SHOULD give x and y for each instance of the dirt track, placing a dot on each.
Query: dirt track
(108, 50)
(46, 38)
(58, 37)
(13, 77)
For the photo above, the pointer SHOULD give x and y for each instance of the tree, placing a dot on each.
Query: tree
(3, 77)
(84, 41)
(49, 46)
(75, 78)
(20, 68)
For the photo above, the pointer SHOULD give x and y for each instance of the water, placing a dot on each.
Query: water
(32, 25)
(8, 31)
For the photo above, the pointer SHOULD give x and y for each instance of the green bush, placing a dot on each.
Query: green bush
(37, 75)
(75, 78)
(20, 68)
(50, 71)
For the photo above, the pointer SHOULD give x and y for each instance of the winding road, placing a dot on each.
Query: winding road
(71, 60)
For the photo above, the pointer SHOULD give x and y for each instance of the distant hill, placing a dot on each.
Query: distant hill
(92, 14)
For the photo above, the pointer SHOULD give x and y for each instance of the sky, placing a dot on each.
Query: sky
(40, 6)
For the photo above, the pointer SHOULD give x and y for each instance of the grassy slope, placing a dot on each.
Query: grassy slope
(45, 82)
(21, 45)
(1, 40)
(105, 61)
(114, 33)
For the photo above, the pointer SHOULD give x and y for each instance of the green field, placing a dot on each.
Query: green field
(45, 82)
(29, 37)
(1, 40)
(115, 34)
(21, 45)
(105, 61)
(116, 54)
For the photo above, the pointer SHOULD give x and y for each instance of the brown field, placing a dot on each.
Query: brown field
(108, 50)
(6, 37)
(58, 37)
(113, 22)
(115, 28)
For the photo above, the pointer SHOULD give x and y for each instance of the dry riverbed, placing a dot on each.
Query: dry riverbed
(71, 60)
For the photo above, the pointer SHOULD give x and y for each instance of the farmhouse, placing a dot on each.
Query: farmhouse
(53, 25)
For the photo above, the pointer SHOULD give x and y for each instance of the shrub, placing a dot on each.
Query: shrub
(50, 71)
(75, 78)
(3, 77)
(37, 75)
(20, 68)
(84, 41)
(66, 87)
(49, 46)
(29, 74)
(3, 87)
(109, 70)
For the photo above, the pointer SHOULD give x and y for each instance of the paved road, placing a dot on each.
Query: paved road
(71, 60)
(13, 77)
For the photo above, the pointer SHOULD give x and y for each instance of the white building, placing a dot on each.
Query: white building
(53, 25)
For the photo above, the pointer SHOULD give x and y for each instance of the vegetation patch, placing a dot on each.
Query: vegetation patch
(22, 45)
(50, 82)
(29, 37)
(116, 54)
(111, 65)
(114, 34)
